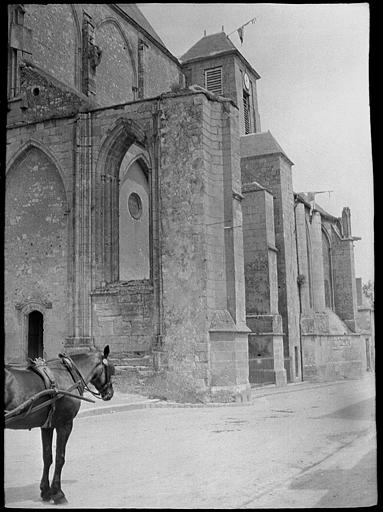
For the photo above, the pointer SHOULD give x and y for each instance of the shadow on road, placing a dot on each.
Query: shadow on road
(29, 492)
(364, 410)
(355, 487)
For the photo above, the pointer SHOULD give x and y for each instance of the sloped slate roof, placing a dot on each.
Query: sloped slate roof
(134, 12)
(262, 143)
(209, 46)
(303, 197)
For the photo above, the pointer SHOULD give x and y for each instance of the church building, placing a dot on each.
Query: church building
(146, 209)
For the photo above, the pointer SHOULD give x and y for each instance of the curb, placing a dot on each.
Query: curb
(298, 386)
(109, 409)
(155, 404)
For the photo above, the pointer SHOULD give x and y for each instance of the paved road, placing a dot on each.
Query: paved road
(301, 448)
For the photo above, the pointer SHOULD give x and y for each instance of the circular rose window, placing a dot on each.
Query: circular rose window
(135, 205)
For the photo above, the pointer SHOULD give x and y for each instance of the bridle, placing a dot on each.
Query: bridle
(83, 383)
(107, 373)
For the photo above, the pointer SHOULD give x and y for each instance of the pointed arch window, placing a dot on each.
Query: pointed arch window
(327, 270)
(309, 265)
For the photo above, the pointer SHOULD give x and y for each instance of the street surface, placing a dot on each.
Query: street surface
(302, 447)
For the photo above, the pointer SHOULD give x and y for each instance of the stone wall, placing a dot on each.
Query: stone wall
(332, 357)
(43, 97)
(260, 251)
(116, 75)
(57, 30)
(36, 253)
(329, 349)
(123, 317)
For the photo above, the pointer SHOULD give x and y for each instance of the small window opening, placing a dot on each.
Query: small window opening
(35, 334)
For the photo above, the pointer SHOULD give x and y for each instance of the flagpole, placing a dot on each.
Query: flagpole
(242, 26)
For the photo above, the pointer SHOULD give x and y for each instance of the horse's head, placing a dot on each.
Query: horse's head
(101, 379)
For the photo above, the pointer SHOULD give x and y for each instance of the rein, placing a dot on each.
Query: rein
(65, 358)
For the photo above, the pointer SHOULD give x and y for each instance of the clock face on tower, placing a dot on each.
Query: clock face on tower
(246, 81)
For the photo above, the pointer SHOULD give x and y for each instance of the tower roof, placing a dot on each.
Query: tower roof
(212, 46)
(209, 46)
(261, 143)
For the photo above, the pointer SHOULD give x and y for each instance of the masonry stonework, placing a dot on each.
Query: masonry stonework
(36, 241)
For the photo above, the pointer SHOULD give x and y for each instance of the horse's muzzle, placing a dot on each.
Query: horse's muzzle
(108, 394)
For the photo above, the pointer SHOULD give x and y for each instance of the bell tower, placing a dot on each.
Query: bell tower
(215, 64)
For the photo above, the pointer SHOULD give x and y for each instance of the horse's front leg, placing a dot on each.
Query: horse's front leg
(46, 438)
(63, 434)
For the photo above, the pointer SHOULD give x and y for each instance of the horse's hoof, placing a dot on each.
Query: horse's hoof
(46, 495)
(59, 499)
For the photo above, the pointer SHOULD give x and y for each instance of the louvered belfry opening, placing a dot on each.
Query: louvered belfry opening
(246, 111)
(213, 80)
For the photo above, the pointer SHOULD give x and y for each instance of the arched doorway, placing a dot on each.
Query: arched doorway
(35, 334)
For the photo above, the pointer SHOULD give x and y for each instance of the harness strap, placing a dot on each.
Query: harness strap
(74, 372)
(40, 367)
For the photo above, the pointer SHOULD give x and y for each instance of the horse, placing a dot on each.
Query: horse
(25, 386)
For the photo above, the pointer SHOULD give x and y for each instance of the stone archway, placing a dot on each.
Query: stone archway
(114, 148)
(36, 253)
(124, 302)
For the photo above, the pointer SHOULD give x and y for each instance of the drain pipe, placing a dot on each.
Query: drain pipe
(299, 288)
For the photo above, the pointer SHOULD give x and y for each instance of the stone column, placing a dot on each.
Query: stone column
(228, 330)
(303, 266)
(359, 291)
(317, 261)
(344, 281)
(233, 218)
(261, 280)
(263, 161)
(82, 247)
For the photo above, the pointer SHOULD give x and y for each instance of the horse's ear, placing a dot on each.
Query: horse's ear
(106, 351)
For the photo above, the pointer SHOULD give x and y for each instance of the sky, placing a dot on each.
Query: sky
(313, 94)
